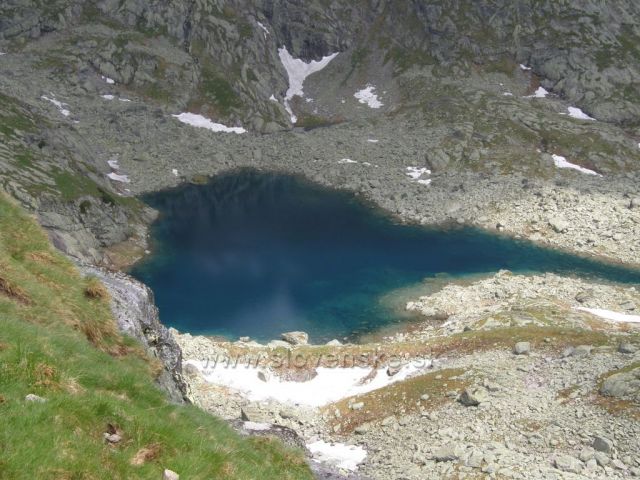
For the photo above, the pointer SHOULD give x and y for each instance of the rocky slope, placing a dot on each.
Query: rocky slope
(522, 118)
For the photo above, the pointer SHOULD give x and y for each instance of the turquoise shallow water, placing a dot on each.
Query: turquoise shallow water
(260, 254)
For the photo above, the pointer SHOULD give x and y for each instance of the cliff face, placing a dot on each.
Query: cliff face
(134, 309)
(222, 55)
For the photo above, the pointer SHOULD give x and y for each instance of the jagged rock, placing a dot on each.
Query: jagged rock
(393, 370)
(474, 396)
(133, 306)
(627, 348)
(170, 475)
(602, 444)
(522, 348)
(264, 375)
(252, 413)
(296, 338)
(581, 351)
(623, 385)
(34, 398)
(447, 453)
(602, 459)
(559, 225)
(627, 305)
(112, 437)
(584, 296)
(567, 463)
(278, 344)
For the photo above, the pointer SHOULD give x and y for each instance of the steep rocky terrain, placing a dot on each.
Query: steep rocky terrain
(521, 118)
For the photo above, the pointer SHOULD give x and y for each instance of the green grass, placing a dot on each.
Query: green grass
(59, 340)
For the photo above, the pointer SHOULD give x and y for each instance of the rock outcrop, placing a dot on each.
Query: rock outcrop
(137, 316)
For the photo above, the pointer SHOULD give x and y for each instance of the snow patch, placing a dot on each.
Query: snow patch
(273, 98)
(110, 81)
(196, 120)
(298, 70)
(118, 178)
(329, 385)
(541, 92)
(264, 29)
(611, 315)
(2, 53)
(61, 105)
(174, 172)
(372, 140)
(524, 67)
(575, 112)
(416, 173)
(561, 162)
(108, 97)
(507, 94)
(368, 97)
(346, 457)
(347, 160)
(124, 99)
(113, 163)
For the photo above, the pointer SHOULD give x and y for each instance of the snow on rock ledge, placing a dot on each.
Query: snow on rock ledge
(368, 97)
(196, 120)
(611, 315)
(298, 70)
(346, 457)
(561, 162)
(329, 385)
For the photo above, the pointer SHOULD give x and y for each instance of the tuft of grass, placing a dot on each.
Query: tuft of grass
(64, 346)
(95, 289)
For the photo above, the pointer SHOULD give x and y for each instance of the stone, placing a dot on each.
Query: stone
(362, 429)
(251, 413)
(586, 454)
(244, 339)
(623, 385)
(567, 463)
(634, 203)
(264, 375)
(584, 296)
(474, 460)
(357, 406)
(602, 444)
(447, 453)
(627, 305)
(34, 398)
(424, 397)
(627, 348)
(288, 413)
(295, 338)
(591, 464)
(601, 458)
(618, 464)
(582, 351)
(334, 343)
(278, 344)
(522, 348)
(112, 437)
(474, 396)
(170, 475)
(393, 370)
(559, 225)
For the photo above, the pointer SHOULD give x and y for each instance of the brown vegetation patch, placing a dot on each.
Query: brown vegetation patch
(96, 290)
(401, 398)
(146, 454)
(14, 292)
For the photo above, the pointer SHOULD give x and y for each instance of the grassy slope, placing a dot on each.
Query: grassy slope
(60, 342)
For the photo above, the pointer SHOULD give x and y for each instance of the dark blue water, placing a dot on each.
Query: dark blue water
(260, 254)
